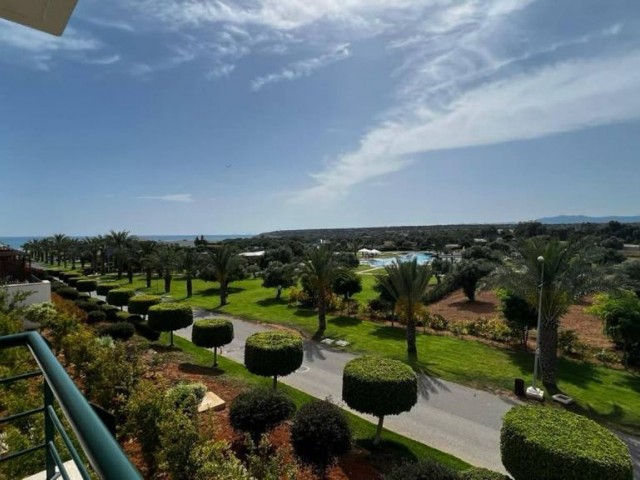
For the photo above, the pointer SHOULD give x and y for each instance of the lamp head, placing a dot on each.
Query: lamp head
(541, 259)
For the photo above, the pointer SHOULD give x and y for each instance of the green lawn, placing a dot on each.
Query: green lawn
(608, 394)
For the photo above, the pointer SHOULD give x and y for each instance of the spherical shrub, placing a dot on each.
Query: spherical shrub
(55, 286)
(186, 397)
(167, 317)
(259, 410)
(87, 306)
(482, 474)
(87, 285)
(96, 316)
(379, 386)
(140, 303)
(273, 353)
(143, 329)
(212, 333)
(119, 297)
(548, 443)
(422, 470)
(128, 317)
(68, 293)
(320, 433)
(118, 331)
(73, 280)
(104, 288)
(110, 311)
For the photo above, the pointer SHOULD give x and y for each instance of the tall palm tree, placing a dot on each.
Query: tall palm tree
(224, 263)
(59, 241)
(166, 258)
(93, 246)
(320, 269)
(147, 260)
(119, 241)
(406, 283)
(189, 260)
(568, 276)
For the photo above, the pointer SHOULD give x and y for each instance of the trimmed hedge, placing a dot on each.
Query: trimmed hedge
(273, 354)
(104, 288)
(140, 303)
(118, 331)
(111, 312)
(143, 329)
(87, 306)
(482, 474)
(167, 317)
(422, 470)
(548, 443)
(87, 285)
(73, 281)
(320, 432)
(379, 386)
(259, 410)
(127, 317)
(68, 293)
(96, 316)
(212, 333)
(120, 296)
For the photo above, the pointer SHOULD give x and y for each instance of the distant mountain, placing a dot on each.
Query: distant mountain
(566, 219)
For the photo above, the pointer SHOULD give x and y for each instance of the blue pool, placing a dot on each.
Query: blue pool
(423, 258)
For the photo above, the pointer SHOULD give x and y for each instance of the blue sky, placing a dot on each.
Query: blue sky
(188, 117)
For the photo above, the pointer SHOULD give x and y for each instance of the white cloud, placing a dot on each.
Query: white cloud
(303, 68)
(176, 197)
(570, 95)
(111, 59)
(222, 70)
(113, 24)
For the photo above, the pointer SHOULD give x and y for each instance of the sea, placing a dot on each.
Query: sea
(17, 242)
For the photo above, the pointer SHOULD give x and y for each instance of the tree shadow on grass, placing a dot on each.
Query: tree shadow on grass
(305, 313)
(386, 456)
(477, 306)
(215, 291)
(200, 370)
(345, 321)
(390, 333)
(268, 302)
(164, 348)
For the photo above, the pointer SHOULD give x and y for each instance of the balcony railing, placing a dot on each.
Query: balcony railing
(103, 452)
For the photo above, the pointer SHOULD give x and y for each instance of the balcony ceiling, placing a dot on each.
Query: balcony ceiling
(49, 16)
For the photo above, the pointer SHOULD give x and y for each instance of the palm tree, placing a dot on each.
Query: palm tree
(568, 276)
(189, 260)
(167, 259)
(147, 260)
(224, 263)
(119, 241)
(59, 241)
(406, 283)
(320, 269)
(93, 246)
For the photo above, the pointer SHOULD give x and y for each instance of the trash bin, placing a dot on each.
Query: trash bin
(518, 387)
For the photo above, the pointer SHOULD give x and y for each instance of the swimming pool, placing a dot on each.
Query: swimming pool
(423, 258)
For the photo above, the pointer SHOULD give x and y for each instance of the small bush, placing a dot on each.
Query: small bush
(548, 443)
(167, 317)
(569, 344)
(422, 470)
(320, 433)
(186, 397)
(212, 333)
(87, 285)
(110, 311)
(273, 354)
(482, 474)
(140, 303)
(438, 322)
(104, 288)
(127, 317)
(72, 280)
(87, 306)
(68, 293)
(118, 331)
(259, 410)
(144, 330)
(491, 329)
(119, 297)
(96, 316)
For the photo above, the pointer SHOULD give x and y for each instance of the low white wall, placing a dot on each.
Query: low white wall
(40, 292)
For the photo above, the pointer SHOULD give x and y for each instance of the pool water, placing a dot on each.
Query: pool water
(423, 258)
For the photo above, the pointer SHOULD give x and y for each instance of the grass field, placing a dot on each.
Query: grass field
(608, 394)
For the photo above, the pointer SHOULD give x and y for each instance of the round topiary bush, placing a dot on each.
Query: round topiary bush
(104, 288)
(86, 305)
(96, 316)
(87, 285)
(167, 317)
(140, 303)
(73, 280)
(273, 354)
(259, 410)
(379, 386)
(212, 333)
(110, 311)
(119, 297)
(320, 433)
(482, 474)
(68, 293)
(548, 443)
(118, 331)
(143, 329)
(422, 470)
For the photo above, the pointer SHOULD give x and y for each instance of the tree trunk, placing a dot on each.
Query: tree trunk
(189, 286)
(223, 293)
(412, 350)
(549, 354)
(120, 269)
(322, 317)
(130, 274)
(278, 293)
(171, 337)
(215, 356)
(275, 382)
(376, 439)
(167, 283)
(148, 278)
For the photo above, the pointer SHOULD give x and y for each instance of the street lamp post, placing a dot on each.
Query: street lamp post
(533, 391)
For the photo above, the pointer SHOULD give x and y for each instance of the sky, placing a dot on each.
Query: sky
(246, 116)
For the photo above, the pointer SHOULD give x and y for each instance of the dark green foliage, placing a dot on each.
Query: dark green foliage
(279, 276)
(482, 474)
(468, 274)
(68, 293)
(167, 317)
(55, 286)
(259, 410)
(273, 353)
(87, 306)
(143, 329)
(551, 444)
(438, 292)
(186, 397)
(347, 260)
(347, 284)
(422, 470)
(73, 282)
(87, 285)
(96, 316)
(118, 331)
(104, 288)
(320, 433)
(119, 297)
(140, 304)
(110, 311)
(518, 313)
(128, 317)
(212, 332)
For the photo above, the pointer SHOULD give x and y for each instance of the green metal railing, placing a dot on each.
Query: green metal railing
(105, 456)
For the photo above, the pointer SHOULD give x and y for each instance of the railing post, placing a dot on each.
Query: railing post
(49, 431)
